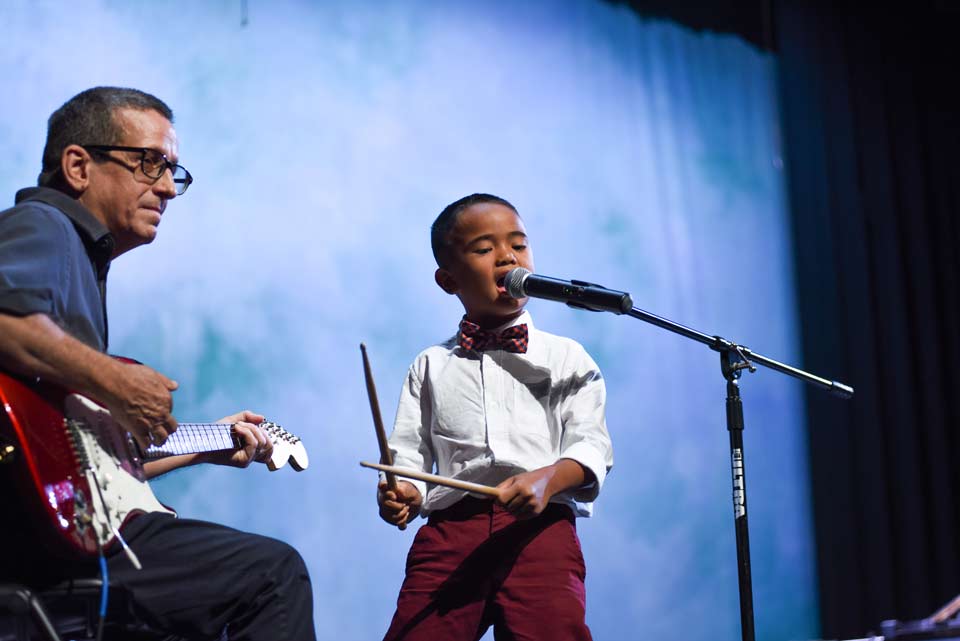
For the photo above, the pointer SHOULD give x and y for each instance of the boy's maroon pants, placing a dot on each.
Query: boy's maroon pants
(474, 565)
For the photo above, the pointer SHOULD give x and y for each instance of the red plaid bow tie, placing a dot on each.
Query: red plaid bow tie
(473, 339)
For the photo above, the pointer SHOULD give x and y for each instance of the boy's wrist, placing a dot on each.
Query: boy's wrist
(567, 474)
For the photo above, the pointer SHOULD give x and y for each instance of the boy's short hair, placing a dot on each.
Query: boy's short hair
(447, 220)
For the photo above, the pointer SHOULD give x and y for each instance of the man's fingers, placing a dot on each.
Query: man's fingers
(262, 441)
(252, 436)
(246, 416)
(247, 439)
(251, 417)
(143, 440)
(158, 434)
(267, 450)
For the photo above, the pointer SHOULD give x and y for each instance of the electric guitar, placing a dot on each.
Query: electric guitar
(81, 474)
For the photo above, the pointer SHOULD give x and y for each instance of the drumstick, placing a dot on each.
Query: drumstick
(433, 478)
(385, 455)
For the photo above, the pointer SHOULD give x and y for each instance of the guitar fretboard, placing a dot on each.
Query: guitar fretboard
(191, 438)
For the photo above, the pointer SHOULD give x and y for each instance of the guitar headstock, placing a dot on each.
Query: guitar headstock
(286, 447)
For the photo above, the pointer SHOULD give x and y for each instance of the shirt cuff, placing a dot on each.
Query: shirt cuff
(592, 459)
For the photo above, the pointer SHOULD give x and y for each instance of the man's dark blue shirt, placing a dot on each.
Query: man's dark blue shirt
(54, 258)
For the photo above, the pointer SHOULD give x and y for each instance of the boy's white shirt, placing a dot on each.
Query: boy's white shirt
(486, 416)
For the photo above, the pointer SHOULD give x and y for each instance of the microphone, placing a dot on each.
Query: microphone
(521, 283)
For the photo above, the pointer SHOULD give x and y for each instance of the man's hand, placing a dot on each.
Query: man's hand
(400, 507)
(138, 397)
(256, 445)
(527, 495)
(140, 401)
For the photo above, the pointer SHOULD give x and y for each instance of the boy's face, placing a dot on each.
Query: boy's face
(487, 241)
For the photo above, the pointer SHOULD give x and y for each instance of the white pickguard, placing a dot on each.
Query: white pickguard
(112, 465)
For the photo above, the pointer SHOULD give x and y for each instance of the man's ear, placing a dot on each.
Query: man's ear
(75, 167)
(446, 281)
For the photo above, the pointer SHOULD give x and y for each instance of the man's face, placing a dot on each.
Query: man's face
(129, 203)
(487, 241)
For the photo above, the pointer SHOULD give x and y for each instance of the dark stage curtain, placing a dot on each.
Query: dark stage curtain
(872, 144)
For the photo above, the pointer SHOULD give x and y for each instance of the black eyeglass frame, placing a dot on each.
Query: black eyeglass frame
(181, 183)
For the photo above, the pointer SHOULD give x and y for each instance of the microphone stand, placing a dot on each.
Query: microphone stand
(733, 360)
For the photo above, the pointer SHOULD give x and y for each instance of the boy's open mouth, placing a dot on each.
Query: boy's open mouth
(501, 287)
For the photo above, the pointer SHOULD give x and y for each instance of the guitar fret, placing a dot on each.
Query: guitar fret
(225, 440)
(194, 437)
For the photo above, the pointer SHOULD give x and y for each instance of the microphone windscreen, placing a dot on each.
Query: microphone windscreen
(514, 280)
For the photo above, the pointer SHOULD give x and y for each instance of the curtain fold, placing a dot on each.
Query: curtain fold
(871, 140)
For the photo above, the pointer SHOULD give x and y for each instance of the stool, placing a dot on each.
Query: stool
(68, 610)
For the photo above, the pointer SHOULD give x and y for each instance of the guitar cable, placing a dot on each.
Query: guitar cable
(105, 585)
(105, 577)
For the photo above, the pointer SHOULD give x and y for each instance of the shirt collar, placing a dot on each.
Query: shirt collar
(522, 318)
(96, 236)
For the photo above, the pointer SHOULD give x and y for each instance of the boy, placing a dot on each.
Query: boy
(504, 404)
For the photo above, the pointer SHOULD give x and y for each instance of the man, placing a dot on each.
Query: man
(109, 171)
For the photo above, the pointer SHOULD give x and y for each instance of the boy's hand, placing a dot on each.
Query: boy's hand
(527, 495)
(400, 507)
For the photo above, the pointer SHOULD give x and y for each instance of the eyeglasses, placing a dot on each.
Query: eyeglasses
(153, 164)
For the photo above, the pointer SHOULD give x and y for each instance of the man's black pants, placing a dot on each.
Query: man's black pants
(200, 578)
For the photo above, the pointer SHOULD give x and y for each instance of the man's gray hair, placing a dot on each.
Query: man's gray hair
(88, 119)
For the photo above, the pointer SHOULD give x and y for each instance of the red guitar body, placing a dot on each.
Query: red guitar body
(43, 469)
(72, 476)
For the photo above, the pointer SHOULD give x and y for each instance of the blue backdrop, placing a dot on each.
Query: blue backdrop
(325, 137)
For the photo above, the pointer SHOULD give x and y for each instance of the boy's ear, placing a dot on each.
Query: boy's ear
(445, 280)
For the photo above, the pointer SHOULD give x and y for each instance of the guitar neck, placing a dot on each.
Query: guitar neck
(191, 438)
